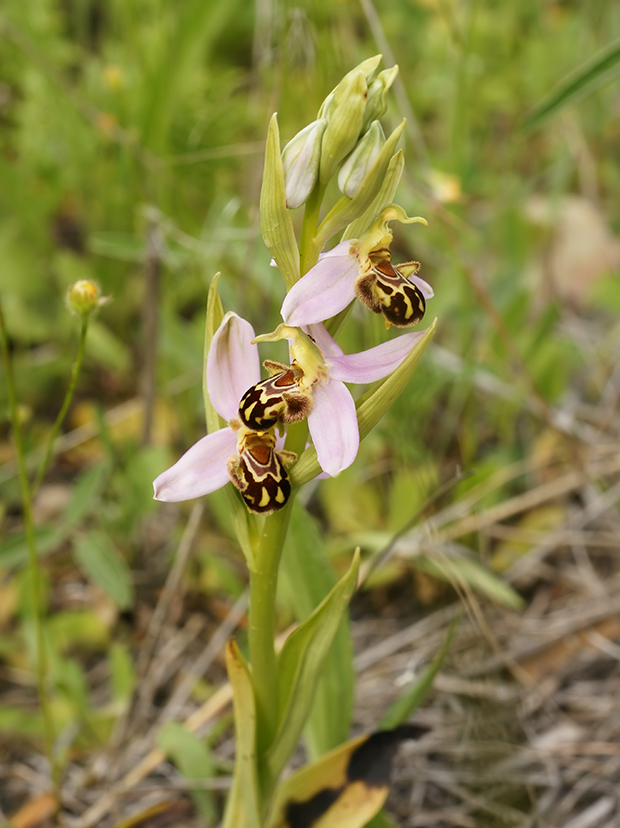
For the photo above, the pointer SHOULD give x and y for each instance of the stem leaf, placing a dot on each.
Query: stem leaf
(215, 314)
(346, 787)
(242, 807)
(300, 665)
(307, 576)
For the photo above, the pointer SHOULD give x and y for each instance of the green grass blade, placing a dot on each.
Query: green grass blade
(199, 24)
(193, 758)
(98, 557)
(408, 702)
(600, 69)
(465, 571)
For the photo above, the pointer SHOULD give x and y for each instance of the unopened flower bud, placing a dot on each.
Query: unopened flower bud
(376, 104)
(344, 124)
(300, 163)
(84, 297)
(355, 167)
(367, 67)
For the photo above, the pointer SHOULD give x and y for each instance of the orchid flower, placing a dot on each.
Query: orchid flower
(245, 452)
(243, 456)
(361, 267)
(313, 386)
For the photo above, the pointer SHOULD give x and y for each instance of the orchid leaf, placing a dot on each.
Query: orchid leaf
(215, 314)
(243, 806)
(238, 512)
(343, 789)
(300, 665)
(307, 576)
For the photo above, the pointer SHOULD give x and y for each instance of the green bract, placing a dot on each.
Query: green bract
(275, 220)
(347, 210)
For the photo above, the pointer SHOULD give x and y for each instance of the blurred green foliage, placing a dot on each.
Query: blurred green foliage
(125, 118)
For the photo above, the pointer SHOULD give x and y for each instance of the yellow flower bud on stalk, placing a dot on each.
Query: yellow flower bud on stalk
(84, 297)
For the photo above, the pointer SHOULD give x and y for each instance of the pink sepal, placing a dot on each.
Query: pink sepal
(233, 365)
(375, 363)
(333, 426)
(325, 290)
(201, 470)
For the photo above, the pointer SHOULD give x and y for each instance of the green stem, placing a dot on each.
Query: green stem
(33, 561)
(308, 253)
(261, 627)
(75, 371)
(264, 573)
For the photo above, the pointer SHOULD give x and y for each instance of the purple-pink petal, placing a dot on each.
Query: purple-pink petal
(324, 340)
(233, 365)
(375, 363)
(426, 289)
(201, 470)
(333, 426)
(325, 290)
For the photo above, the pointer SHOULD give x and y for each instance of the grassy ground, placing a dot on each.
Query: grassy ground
(131, 140)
